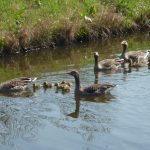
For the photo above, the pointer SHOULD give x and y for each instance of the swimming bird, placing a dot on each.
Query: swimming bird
(107, 64)
(66, 83)
(47, 85)
(93, 90)
(64, 86)
(36, 87)
(134, 58)
(15, 85)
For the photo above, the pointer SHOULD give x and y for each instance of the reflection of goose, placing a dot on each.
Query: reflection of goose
(127, 70)
(96, 73)
(17, 85)
(100, 99)
(134, 58)
(75, 114)
(95, 89)
(107, 64)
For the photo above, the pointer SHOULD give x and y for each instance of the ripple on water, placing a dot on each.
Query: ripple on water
(50, 119)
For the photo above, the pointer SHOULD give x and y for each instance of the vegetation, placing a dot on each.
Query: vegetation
(42, 23)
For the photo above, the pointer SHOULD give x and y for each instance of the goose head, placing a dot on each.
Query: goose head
(96, 54)
(74, 73)
(124, 45)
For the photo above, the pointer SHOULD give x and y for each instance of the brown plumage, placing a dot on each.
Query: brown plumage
(15, 85)
(134, 58)
(95, 89)
(47, 85)
(107, 64)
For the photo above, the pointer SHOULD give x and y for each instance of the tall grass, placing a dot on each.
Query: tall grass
(35, 23)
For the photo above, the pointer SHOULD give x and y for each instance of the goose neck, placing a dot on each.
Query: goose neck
(96, 62)
(77, 82)
(123, 52)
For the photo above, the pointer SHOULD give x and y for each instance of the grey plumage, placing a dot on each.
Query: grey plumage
(95, 89)
(134, 58)
(15, 85)
(106, 64)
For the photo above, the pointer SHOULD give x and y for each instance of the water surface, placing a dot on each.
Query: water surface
(54, 120)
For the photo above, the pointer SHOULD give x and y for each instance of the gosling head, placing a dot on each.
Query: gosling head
(124, 44)
(57, 84)
(45, 83)
(74, 73)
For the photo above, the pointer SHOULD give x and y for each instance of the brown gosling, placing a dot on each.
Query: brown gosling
(134, 58)
(66, 88)
(58, 86)
(63, 85)
(36, 87)
(67, 83)
(47, 85)
(107, 64)
(93, 90)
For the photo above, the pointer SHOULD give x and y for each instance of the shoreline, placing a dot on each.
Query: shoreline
(52, 45)
(87, 22)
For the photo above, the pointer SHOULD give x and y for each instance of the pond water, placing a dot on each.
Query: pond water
(55, 120)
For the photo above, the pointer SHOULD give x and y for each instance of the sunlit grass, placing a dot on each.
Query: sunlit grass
(32, 23)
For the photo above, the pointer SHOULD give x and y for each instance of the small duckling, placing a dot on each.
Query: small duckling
(47, 85)
(59, 86)
(66, 88)
(56, 84)
(67, 83)
(35, 86)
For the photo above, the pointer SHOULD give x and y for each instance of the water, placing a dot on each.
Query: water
(53, 120)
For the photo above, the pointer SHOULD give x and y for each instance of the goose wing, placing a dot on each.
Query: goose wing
(98, 88)
(107, 62)
(136, 54)
(16, 84)
(110, 62)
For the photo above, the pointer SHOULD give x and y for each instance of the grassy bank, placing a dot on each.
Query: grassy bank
(43, 23)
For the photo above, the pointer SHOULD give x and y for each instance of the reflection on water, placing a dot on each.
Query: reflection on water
(97, 99)
(111, 121)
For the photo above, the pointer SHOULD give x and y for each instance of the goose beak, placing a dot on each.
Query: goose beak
(68, 73)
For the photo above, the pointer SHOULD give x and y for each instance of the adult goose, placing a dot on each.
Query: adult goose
(93, 90)
(134, 58)
(107, 64)
(17, 85)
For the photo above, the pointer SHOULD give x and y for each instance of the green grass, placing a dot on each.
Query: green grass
(30, 23)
